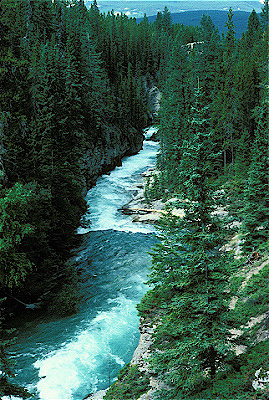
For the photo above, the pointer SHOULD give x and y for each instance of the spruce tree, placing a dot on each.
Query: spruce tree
(14, 227)
(173, 116)
(264, 20)
(256, 211)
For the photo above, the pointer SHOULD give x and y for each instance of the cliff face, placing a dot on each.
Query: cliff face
(108, 152)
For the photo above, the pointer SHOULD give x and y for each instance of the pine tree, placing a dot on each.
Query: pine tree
(256, 210)
(191, 275)
(248, 79)
(264, 20)
(166, 20)
(173, 116)
(253, 30)
(14, 227)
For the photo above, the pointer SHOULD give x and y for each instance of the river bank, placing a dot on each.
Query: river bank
(140, 360)
(149, 212)
(256, 264)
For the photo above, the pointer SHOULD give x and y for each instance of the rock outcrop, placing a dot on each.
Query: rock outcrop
(154, 99)
(114, 143)
(148, 213)
(108, 152)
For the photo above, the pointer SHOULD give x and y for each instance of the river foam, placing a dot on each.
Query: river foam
(91, 356)
(114, 190)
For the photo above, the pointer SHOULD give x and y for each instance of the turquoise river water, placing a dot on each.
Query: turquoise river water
(68, 358)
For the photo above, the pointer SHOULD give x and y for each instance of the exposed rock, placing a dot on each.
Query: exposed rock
(234, 246)
(149, 218)
(115, 143)
(97, 395)
(142, 351)
(154, 98)
(248, 271)
(262, 380)
(148, 213)
(108, 152)
(141, 356)
(263, 333)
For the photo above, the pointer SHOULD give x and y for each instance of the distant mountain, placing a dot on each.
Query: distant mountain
(137, 8)
(218, 17)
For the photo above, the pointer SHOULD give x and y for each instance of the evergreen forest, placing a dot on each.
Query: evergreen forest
(73, 80)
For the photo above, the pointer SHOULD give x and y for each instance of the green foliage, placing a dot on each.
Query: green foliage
(151, 303)
(256, 210)
(72, 75)
(131, 384)
(75, 80)
(237, 385)
(154, 188)
(208, 59)
(190, 275)
(254, 298)
(14, 228)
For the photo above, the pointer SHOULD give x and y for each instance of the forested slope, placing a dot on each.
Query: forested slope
(74, 94)
(218, 17)
(208, 306)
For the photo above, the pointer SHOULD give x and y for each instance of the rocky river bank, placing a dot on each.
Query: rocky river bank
(144, 212)
(149, 214)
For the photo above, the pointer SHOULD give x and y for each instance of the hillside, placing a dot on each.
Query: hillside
(218, 17)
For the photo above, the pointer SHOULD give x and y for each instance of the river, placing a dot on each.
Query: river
(68, 358)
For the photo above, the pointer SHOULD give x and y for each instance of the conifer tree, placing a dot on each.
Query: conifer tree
(207, 58)
(166, 20)
(224, 105)
(256, 210)
(190, 274)
(248, 78)
(14, 227)
(173, 116)
(253, 30)
(264, 20)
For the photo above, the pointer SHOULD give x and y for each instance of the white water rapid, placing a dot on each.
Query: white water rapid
(68, 358)
(113, 190)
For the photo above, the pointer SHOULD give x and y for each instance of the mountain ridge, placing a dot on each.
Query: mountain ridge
(218, 17)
